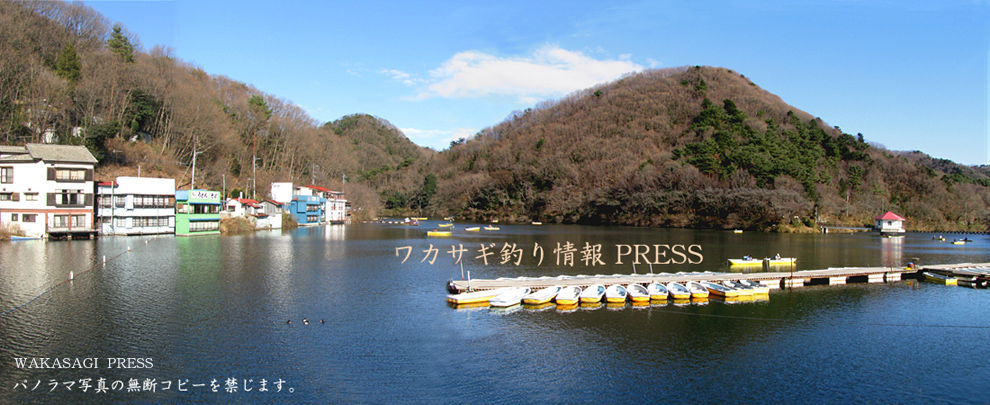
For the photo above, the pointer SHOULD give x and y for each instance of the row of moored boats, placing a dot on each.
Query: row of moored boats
(572, 295)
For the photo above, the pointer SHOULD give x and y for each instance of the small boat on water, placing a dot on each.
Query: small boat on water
(678, 291)
(475, 297)
(737, 231)
(939, 237)
(758, 288)
(616, 293)
(739, 288)
(720, 290)
(780, 261)
(637, 293)
(438, 233)
(473, 229)
(541, 296)
(509, 298)
(697, 290)
(940, 279)
(568, 295)
(491, 228)
(536, 223)
(961, 241)
(15, 237)
(746, 261)
(593, 293)
(447, 225)
(658, 291)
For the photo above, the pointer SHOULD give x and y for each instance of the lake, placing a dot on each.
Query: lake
(220, 319)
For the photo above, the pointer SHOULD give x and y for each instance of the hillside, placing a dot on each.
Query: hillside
(696, 147)
(67, 75)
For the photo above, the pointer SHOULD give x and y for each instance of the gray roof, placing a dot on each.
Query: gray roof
(4, 149)
(60, 153)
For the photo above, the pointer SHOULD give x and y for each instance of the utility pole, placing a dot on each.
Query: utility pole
(192, 184)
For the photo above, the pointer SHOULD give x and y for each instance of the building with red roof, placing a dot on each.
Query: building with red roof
(890, 224)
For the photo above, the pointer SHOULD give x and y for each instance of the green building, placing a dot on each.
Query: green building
(197, 212)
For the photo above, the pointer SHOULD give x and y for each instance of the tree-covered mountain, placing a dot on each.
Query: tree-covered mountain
(697, 147)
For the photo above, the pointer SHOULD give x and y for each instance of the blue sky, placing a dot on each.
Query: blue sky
(908, 75)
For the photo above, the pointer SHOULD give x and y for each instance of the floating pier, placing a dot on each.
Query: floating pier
(979, 272)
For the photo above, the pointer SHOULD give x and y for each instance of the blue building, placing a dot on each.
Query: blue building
(307, 209)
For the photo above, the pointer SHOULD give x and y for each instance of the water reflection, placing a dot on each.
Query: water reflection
(892, 251)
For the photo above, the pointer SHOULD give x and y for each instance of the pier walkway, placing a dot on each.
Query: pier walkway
(770, 279)
(977, 273)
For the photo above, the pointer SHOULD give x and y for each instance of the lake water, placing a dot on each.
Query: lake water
(195, 315)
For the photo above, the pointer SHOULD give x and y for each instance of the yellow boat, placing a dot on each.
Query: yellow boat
(472, 229)
(446, 225)
(697, 290)
(491, 228)
(541, 296)
(421, 218)
(678, 291)
(438, 233)
(720, 290)
(568, 295)
(637, 293)
(940, 279)
(616, 293)
(475, 297)
(593, 293)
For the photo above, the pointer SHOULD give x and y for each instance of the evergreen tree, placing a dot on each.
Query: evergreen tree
(120, 45)
(68, 65)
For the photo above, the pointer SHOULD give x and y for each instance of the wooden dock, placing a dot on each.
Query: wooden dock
(771, 279)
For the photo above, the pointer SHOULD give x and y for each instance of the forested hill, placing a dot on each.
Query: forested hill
(697, 147)
(69, 75)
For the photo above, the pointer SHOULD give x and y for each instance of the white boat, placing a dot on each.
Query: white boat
(697, 290)
(637, 293)
(475, 297)
(678, 291)
(593, 293)
(491, 228)
(658, 291)
(568, 295)
(616, 293)
(509, 298)
(472, 229)
(541, 296)
(741, 289)
(758, 288)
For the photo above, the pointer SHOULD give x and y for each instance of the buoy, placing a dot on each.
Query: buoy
(71, 276)
(104, 259)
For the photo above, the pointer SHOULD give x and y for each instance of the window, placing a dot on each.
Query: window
(13, 217)
(206, 209)
(30, 196)
(203, 226)
(78, 221)
(104, 201)
(29, 217)
(61, 221)
(70, 174)
(6, 196)
(6, 175)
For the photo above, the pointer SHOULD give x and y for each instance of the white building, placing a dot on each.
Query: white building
(47, 190)
(335, 206)
(136, 206)
(889, 224)
(242, 207)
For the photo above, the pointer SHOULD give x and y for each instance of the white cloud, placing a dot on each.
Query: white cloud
(401, 76)
(549, 72)
(653, 62)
